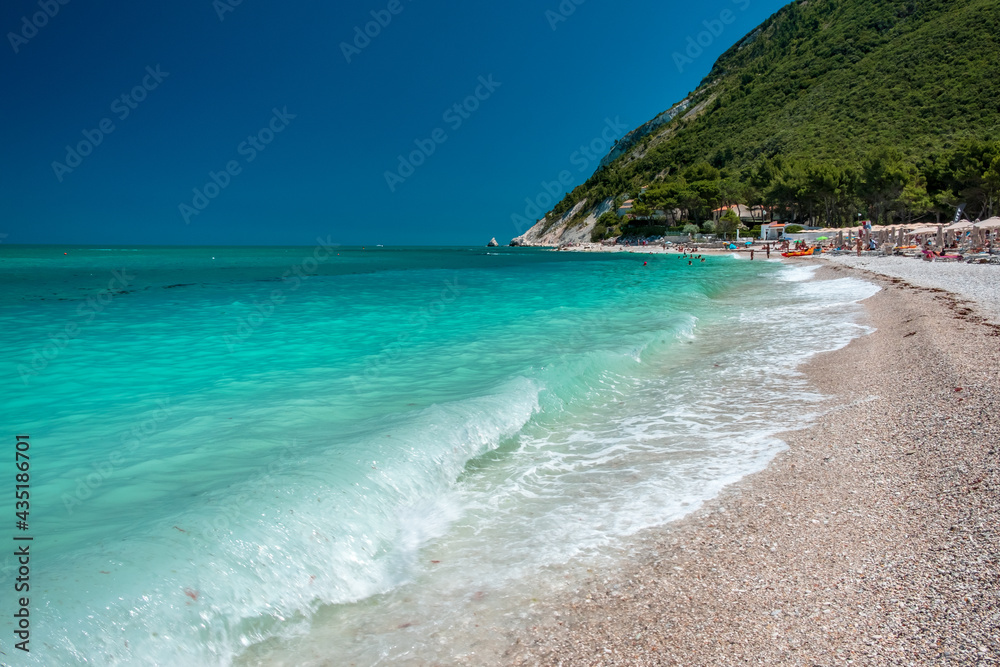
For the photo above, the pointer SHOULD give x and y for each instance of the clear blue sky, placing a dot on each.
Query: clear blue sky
(213, 82)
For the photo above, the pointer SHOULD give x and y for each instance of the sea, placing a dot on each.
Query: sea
(336, 455)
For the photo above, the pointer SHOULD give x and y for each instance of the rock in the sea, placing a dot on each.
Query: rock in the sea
(516, 242)
(493, 243)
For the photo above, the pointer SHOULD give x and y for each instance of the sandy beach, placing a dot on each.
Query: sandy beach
(872, 540)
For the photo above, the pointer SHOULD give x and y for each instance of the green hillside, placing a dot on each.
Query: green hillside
(832, 108)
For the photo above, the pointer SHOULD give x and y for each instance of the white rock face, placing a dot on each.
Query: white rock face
(558, 233)
(493, 243)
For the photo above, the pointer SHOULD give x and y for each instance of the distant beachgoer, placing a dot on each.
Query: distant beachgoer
(703, 259)
(858, 246)
(689, 263)
(751, 254)
(767, 249)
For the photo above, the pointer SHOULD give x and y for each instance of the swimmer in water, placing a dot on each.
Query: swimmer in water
(689, 263)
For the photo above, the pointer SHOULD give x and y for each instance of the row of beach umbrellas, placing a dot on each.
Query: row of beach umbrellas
(898, 234)
(977, 232)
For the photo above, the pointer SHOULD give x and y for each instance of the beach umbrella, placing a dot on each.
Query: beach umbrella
(960, 226)
(840, 238)
(900, 236)
(992, 223)
(940, 236)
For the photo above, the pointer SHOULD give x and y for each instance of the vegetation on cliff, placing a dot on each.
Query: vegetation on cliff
(830, 109)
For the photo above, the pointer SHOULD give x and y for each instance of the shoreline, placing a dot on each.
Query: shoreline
(871, 539)
(653, 249)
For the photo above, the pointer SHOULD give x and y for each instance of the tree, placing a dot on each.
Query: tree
(883, 179)
(914, 200)
(667, 195)
(991, 182)
(703, 192)
(728, 223)
(607, 226)
(641, 210)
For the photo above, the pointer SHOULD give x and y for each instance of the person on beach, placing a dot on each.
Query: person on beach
(858, 246)
(751, 254)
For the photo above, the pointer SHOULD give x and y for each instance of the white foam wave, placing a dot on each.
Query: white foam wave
(796, 274)
(257, 560)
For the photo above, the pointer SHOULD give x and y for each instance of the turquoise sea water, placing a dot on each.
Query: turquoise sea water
(240, 453)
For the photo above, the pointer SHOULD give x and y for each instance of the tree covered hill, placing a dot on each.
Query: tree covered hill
(830, 108)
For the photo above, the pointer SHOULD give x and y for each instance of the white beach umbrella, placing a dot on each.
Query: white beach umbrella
(992, 223)
(940, 236)
(959, 226)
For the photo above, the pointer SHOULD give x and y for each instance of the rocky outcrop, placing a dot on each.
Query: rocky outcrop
(493, 243)
(547, 232)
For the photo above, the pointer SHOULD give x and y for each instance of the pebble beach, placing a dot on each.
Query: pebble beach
(872, 540)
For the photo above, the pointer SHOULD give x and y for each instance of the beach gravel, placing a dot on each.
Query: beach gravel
(975, 282)
(874, 540)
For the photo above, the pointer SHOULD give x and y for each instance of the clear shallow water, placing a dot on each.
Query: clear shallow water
(255, 454)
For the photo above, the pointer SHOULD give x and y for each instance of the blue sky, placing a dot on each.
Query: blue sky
(286, 118)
